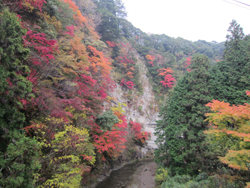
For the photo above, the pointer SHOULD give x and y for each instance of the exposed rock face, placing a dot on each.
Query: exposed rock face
(140, 107)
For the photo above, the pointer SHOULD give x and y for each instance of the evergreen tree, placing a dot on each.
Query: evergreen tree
(111, 11)
(14, 85)
(183, 121)
(230, 77)
(17, 152)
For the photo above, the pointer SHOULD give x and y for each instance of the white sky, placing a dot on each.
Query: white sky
(190, 19)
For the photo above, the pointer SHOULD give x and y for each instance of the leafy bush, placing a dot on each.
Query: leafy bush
(202, 180)
(162, 175)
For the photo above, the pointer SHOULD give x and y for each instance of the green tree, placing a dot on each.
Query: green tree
(230, 77)
(14, 85)
(107, 120)
(17, 153)
(182, 121)
(19, 163)
(111, 11)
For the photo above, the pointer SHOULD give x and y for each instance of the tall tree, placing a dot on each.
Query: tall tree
(17, 153)
(111, 11)
(230, 77)
(182, 120)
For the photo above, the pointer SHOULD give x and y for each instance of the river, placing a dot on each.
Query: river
(138, 174)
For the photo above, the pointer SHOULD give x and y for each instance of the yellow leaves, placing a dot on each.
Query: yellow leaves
(248, 185)
(73, 58)
(77, 113)
(162, 175)
(28, 6)
(51, 20)
(67, 149)
(123, 104)
(70, 179)
(109, 98)
(237, 159)
(118, 110)
(54, 120)
(77, 47)
(69, 70)
(73, 140)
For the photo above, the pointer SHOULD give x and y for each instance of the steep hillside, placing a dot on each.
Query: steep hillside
(140, 106)
(80, 88)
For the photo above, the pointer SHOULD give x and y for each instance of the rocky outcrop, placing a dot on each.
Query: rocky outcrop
(141, 107)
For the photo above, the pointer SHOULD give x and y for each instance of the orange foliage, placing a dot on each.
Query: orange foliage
(130, 74)
(99, 63)
(132, 68)
(111, 44)
(248, 185)
(150, 57)
(234, 121)
(163, 71)
(73, 56)
(80, 19)
(229, 159)
(236, 115)
(77, 47)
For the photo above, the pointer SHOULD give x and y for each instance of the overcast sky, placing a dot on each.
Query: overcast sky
(190, 19)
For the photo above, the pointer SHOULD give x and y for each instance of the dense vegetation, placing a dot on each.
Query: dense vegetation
(60, 60)
(55, 77)
(203, 136)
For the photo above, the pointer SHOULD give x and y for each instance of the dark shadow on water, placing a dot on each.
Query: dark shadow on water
(122, 178)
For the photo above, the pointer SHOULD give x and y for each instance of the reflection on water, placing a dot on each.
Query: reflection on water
(122, 178)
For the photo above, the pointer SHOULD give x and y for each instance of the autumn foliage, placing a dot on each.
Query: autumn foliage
(128, 84)
(150, 59)
(31, 4)
(187, 64)
(111, 142)
(139, 135)
(44, 48)
(168, 78)
(168, 81)
(233, 122)
(111, 44)
(68, 82)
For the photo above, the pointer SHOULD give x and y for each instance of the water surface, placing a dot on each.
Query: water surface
(123, 177)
